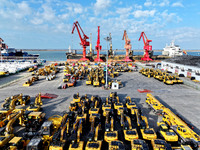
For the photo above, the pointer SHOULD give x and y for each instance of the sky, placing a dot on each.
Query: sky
(47, 24)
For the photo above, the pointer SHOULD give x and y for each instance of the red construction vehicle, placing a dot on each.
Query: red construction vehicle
(98, 47)
(127, 46)
(147, 47)
(84, 41)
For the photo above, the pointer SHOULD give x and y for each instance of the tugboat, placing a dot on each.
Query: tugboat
(172, 50)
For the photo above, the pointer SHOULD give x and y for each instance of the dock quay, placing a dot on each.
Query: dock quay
(180, 98)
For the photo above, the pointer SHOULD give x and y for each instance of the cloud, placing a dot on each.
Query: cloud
(74, 8)
(120, 3)
(177, 4)
(145, 13)
(164, 3)
(101, 5)
(14, 11)
(170, 17)
(148, 3)
(48, 13)
(137, 6)
(36, 21)
(124, 11)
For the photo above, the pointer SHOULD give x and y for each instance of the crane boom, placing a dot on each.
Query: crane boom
(127, 46)
(147, 47)
(83, 39)
(98, 47)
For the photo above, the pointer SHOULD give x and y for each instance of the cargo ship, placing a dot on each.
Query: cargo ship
(12, 53)
(73, 55)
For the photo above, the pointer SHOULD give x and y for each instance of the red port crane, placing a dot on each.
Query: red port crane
(98, 47)
(127, 46)
(84, 41)
(147, 47)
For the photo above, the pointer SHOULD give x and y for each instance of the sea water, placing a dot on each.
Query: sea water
(51, 55)
(61, 55)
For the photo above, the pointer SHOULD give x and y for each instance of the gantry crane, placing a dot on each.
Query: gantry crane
(127, 46)
(84, 41)
(147, 47)
(98, 47)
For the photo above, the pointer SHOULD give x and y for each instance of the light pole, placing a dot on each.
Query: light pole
(107, 39)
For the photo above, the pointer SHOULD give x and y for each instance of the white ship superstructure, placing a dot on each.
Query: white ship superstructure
(172, 50)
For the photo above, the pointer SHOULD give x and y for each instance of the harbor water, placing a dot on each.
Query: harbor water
(61, 56)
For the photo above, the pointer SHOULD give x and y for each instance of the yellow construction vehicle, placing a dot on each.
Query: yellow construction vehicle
(96, 81)
(139, 144)
(16, 143)
(59, 137)
(93, 145)
(154, 103)
(129, 105)
(116, 145)
(66, 78)
(8, 134)
(182, 147)
(148, 134)
(167, 81)
(103, 81)
(167, 134)
(89, 80)
(111, 136)
(186, 134)
(36, 143)
(28, 83)
(73, 106)
(76, 98)
(93, 111)
(76, 143)
(106, 106)
(158, 144)
(38, 100)
(129, 133)
(118, 105)
(33, 107)
(34, 121)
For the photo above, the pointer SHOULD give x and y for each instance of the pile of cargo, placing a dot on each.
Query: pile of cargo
(93, 123)
(164, 77)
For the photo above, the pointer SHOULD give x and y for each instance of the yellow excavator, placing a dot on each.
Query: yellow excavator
(8, 134)
(96, 81)
(76, 143)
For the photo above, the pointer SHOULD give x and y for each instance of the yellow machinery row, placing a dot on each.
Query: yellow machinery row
(161, 76)
(48, 71)
(171, 122)
(92, 124)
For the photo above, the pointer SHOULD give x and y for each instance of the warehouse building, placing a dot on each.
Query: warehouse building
(185, 66)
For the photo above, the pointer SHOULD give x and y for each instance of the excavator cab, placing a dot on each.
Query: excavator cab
(47, 128)
(116, 145)
(35, 143)
(93, 145)
(35, 119)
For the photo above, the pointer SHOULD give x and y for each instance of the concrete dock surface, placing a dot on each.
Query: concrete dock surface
(181, 98)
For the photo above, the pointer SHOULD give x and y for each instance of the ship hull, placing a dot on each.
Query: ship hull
(76, 57)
